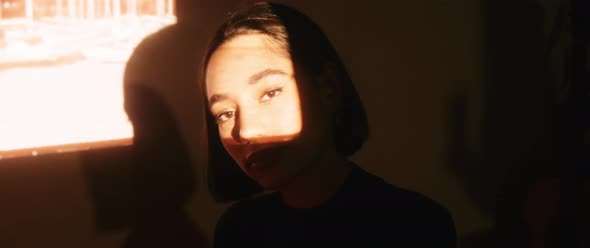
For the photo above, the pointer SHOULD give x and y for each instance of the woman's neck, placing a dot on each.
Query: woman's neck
(318, 182)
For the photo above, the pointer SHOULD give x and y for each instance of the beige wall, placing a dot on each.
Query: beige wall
(407, 59)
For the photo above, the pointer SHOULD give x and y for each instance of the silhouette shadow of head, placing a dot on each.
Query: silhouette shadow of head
(146, 186)
(164, 178)
(163, 175)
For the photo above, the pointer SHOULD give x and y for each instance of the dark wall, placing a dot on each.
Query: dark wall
(408, 59)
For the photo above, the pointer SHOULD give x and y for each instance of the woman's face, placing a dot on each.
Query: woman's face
(254, 96)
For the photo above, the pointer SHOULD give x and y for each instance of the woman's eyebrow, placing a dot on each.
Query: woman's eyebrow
(216, 98)
(265, 73)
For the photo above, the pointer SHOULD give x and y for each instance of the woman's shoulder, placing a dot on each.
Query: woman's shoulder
(250, 206)
(403, 210)
(372, 188)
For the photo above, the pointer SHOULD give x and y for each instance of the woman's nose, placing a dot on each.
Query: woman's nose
(249, 128)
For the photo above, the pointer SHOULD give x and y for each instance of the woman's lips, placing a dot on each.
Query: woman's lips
(264, 157)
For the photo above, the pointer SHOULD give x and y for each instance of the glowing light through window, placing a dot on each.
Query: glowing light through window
(61, 68)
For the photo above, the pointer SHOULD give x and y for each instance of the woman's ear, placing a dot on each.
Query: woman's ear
(329, 83)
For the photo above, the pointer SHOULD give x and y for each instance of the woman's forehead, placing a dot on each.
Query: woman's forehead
(243, 56)
(249, 40)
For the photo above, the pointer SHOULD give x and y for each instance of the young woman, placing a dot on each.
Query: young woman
(282, 110)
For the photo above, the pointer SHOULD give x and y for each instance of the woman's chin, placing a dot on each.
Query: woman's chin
(273, 176)
(268, 183)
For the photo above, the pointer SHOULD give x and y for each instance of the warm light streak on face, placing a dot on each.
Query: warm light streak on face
(253, 93)
(254, 96)
(61, 78)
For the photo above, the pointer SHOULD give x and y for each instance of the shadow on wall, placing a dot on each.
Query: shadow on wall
(146, 187)
(511, 175)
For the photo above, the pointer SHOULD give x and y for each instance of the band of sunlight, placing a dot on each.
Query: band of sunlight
(61, 77)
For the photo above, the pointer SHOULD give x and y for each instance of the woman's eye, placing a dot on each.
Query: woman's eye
(225, 116)
(271, 94)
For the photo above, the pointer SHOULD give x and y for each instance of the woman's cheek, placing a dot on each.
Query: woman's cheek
(225, 129)
(293, 119)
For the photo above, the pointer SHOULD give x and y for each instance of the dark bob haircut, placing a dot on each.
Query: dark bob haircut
(310, 51)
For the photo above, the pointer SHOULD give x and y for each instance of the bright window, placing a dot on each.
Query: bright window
(61, 70)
